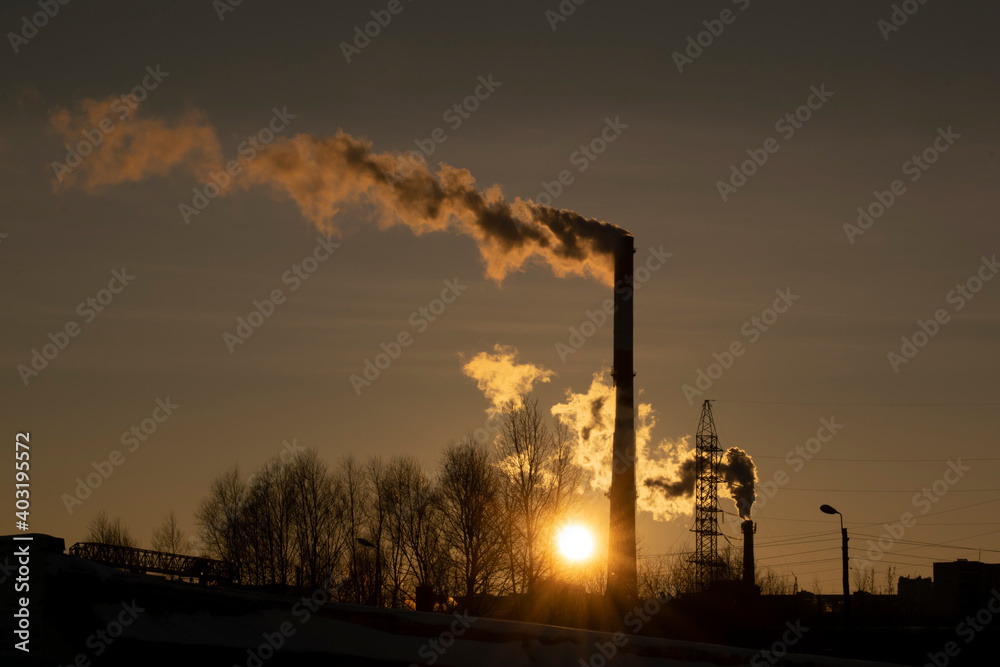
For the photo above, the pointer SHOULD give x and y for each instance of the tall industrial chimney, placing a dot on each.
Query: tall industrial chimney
(622, 581)
(748, 567)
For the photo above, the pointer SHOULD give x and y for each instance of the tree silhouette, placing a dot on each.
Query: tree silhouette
(539, 483)
(105, 530)
(472, 520)
(318, 523)
(169, 537)
(220, 517)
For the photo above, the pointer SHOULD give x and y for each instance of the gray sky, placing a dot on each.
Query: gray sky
(887, 99)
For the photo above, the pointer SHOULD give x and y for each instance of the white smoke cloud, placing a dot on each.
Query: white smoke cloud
(590, 417)
(501, 378)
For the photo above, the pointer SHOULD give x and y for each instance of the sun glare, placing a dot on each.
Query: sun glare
(575, 542)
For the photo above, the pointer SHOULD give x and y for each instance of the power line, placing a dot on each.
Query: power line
(955, 509)
(897, 553)
(946, 545)
(811, 533)
(789, 537)
(802, 574)
(796, 488)
(806, 537)
(812, 538)
(960, 523)
(806, 562)
(860, 405)
(986, 458)
(796, 553)
(786, 543)
(892, 520)
(778, 518)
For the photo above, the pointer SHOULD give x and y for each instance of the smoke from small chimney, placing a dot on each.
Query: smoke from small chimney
(738, 472)
(740, 475)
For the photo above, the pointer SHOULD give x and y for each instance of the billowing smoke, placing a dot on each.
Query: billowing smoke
(740, 475)
(683, 484)
(737, 470)
(134, 150)
(501, 379)
(591, 418)
(596, 417)
(325, 174)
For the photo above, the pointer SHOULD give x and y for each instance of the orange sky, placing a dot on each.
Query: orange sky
(592, 116)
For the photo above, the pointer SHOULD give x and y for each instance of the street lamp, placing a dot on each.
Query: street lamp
(826, 509)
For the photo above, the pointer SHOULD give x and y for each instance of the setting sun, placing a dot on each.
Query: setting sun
(575, 542)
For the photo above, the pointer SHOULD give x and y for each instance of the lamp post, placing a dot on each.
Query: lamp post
(826, 509)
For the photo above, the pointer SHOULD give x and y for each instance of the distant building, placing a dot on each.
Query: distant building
(963, 586)
(915, 595)
(915, 587)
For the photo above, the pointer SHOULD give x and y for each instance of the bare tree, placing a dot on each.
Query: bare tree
(681, 576)
(318, 521)
(105, 530)
(364, 582)
(564, 479)
(772, 583)
(594, 577)
(377, 514)
(411, 546)
(248, 524)
(863, 578)
(222, 523)
(539, 483)
(269, 519)
(654, 576)
(676, 574)
(472, 522)
(891, 581)
(284, 526)
(866, 580)
(169, 537)
(392, 491)
(386, 527)
(421, 518)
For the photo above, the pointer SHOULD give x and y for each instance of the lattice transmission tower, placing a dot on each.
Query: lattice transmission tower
(708, 456)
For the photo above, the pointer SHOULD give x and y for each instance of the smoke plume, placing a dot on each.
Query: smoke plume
(324, 175)
(740, 475)
(737, 471)
(590, 417)
(134, 150)
(683, 485)
(501, 379)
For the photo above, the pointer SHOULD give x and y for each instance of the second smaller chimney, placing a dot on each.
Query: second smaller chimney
(748, 569)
